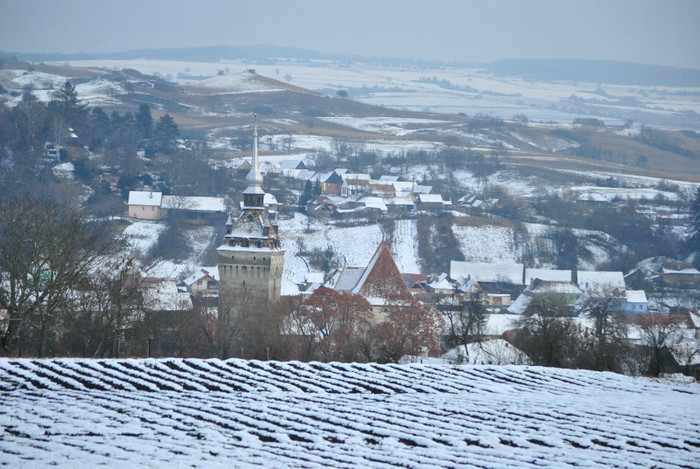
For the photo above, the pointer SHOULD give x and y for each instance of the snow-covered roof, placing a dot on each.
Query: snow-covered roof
(289, 288)
(690, 270)
(566, 288)
(592, 280)
(547, 274)
(147, 198)
(304, 174)
(636, 296)
(488, 272)
(200, 274)
(373, 202)
(314, 277)
(520, 304)
(349, 277)
(290, 164)
(430, 198)
(269, 199)
(400, 201)
(389, 178)
(194, 203)
(418, 189)
(442, 284)
(356, 177)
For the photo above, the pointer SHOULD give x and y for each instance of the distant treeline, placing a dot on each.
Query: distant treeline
(596, 71)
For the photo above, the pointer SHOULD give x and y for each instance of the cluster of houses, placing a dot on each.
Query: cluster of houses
(507, 290)
(343, 194)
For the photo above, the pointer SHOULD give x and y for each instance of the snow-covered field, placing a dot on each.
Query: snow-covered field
(143, 235)
(211, 413)
(404, 246)
(487, 243)
(353, 245)
(440, 89)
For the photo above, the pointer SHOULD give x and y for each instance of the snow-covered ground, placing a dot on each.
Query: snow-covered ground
(404, 246)
(211, 413)
(487, 243)
(354, 246)
(441, 89)
(143, 235)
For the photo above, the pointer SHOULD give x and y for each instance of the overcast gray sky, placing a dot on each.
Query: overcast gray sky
(665, 32)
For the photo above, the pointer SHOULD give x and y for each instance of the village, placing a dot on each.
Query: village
(477, 307)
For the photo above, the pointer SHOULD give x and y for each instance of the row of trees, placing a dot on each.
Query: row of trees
(27, 126)
(595, 335)
(329, 325)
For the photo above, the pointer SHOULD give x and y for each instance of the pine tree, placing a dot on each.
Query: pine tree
(166, 133)
(65, 110)
(144, 123)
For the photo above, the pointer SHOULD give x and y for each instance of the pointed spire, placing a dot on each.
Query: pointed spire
(253, 194)
(255, 143)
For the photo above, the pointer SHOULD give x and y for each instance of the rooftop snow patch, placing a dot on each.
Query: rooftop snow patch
(192, 412)
(488, 272)
(148, 198)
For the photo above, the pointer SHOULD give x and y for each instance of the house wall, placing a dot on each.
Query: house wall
(144, 212)
(636, 308)
(681, 279)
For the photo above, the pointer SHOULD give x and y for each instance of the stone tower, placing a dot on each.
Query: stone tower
(251, 259)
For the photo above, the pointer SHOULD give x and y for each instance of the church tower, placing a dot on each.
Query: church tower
(251, 259)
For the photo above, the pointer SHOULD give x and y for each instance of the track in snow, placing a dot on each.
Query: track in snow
(213, 413)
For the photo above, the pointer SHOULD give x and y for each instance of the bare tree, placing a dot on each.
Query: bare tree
(549, 335)
(46, 252)
(607, 346)
(466, 318)
(658, 333)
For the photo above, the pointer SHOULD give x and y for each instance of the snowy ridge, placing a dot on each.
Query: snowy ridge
(179, 412)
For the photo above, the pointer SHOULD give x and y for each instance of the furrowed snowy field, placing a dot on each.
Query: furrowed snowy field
(235, 413)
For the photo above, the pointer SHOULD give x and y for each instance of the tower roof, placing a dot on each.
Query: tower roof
(254, 177)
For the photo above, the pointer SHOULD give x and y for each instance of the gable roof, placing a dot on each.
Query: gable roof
(148, 198)
(488, 272)
(547, 275)
(598, 281)
(194, 203)
(212, 272)
(381, 277)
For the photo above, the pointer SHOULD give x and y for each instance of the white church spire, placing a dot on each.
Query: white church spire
(254, 177)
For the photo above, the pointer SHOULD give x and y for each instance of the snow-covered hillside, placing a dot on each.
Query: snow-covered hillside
(212, 413)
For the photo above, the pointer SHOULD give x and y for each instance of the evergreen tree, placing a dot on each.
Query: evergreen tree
(166, 133)
(317, 190)
(307, 194)
(65, 110)
(144, 124)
